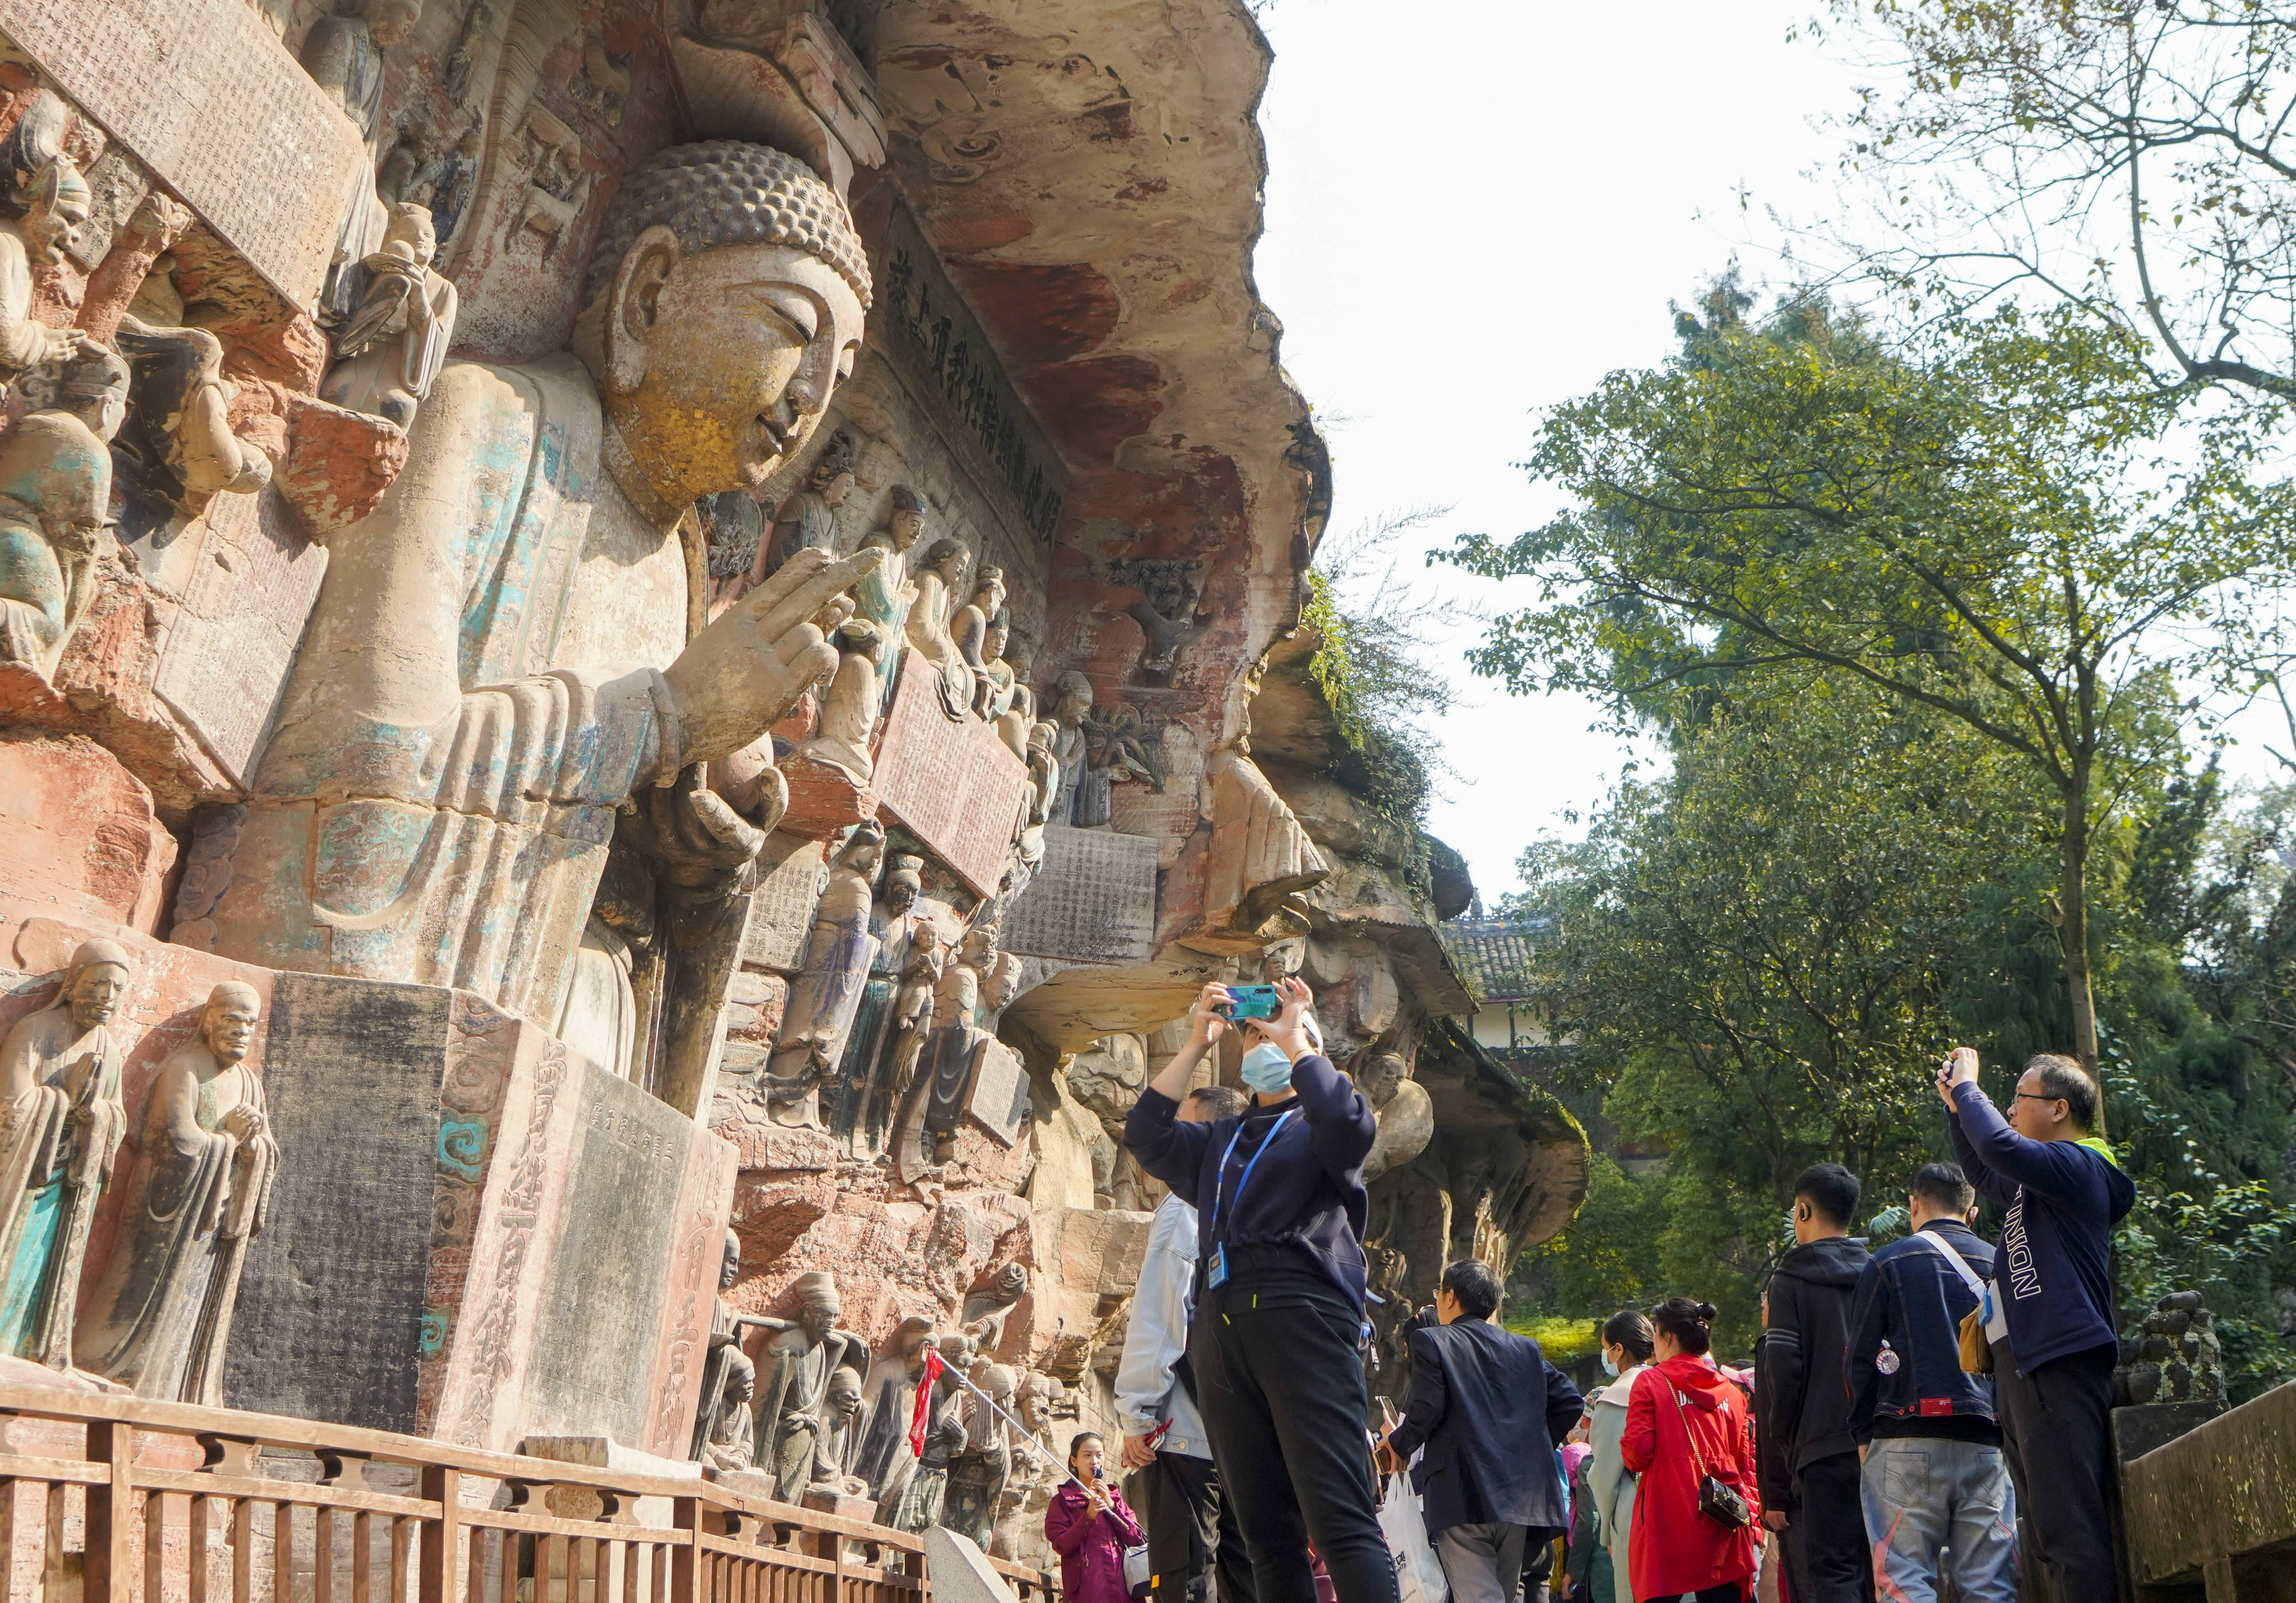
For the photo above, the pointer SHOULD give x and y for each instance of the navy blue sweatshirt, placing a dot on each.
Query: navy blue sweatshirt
(1302, 1216)
(2053, 1269)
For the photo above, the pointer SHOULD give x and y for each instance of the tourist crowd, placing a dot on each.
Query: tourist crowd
(1909, 1414)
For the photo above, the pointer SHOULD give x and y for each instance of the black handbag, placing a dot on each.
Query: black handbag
(1720, 1502)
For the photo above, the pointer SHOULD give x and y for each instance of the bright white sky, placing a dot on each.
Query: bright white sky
(1478, 208)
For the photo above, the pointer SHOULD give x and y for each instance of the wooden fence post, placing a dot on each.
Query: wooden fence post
(434, 1579)
(104, 1574)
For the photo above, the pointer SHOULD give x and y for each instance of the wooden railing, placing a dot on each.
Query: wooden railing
(109, 1500)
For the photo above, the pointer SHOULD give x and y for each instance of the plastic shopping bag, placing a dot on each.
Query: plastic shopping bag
(1418, 1572)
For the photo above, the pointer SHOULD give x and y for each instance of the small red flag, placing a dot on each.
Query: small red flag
(933, 1366)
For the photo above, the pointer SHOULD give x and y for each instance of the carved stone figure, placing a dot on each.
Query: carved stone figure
(462, 60)
(994, 682)
(59, 1087)
(344, 56)
(890, 1396)
(412, 170)
(730, 1447)
(835, 1464)
(919, 1506)
(177, 449)
(808, 519)
(823, 998)
(979, 1471)
(927, 623)
(1071, 701)
(1016, 714)
(968, 627)
(389, 355)
(55, 515)
(884, 597)
(933, 1103)
(987, 1309)
(728, 1370)
(458, 176)
(1167, 617)
(460, 702)
(1045, 782)
(849, 706)
(46, 203)
(159, 1320)
(793, 1385)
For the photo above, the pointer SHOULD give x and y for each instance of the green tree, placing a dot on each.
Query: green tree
(1980, 523)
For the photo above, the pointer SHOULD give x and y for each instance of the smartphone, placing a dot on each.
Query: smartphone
(1253, 1002)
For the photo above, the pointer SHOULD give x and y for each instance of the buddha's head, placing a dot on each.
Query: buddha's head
(724, 308)
(227, 1023)
(904, 882)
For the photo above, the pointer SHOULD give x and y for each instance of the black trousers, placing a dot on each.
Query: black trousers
(1192, 1530)
(1827, 1558)
(1282, 1391)
(2056, 1431)
(1729, 1591)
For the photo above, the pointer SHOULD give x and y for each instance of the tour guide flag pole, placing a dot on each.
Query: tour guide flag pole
(934, 1366)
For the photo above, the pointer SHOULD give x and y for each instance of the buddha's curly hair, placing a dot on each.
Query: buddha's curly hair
(729, 192)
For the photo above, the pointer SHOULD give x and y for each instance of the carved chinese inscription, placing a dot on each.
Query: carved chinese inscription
(1094, 901)
(951, 784)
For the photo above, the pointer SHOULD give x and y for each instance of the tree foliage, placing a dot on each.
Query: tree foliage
(2133, 162)
(1986, 524)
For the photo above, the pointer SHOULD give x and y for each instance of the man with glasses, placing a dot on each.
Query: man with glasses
(2053, 1286)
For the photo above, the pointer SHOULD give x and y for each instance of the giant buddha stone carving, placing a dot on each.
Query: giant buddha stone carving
(499, 659)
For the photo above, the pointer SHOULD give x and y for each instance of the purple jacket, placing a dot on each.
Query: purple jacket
(1091, 1547)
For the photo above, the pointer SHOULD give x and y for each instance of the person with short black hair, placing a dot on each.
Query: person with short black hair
(1808, 1459)
(2054, 1340)
(1192, 1528)
(1687, 1419)
(1490, 1410)
(1628, 1346)
(1278, 1344)
(1934, 1481)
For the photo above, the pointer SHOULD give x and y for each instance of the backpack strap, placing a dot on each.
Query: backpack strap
(1961, 1264)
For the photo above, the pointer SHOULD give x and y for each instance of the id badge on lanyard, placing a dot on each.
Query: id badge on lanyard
(1215, 1266)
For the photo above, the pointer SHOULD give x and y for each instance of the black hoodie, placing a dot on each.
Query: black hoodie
(1801, 1393)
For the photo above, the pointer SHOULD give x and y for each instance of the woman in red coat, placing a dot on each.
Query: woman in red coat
(1090, 1527)
(1681, 1416)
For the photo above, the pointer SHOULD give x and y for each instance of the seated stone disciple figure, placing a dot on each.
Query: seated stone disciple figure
(45, 203)
(389, 355)
(60, 1098)
(885, 596)
(55, 511)
(498, 657)
(159, 1318)
(936, 580)
(808, 519)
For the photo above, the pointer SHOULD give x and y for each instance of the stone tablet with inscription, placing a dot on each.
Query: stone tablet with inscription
(204, 97)
(999, 1100)
(1092, 900)
(951, 783)
(781, 910)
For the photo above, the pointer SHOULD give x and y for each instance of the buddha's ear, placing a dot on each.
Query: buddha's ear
(632, 304)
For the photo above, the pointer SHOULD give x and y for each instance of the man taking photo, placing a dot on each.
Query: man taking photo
(1805, 1456)
(2053, 1376)
(1490, 1410)
(1934, 1477)
(1191, 1528)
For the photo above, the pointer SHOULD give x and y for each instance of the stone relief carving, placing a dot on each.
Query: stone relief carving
(1098, 748)
(60, 1079)
(729, 1378)
(177, 449)
(558, 187)
(505, 725)
(1172, 589)
(46, 202)
(793, 1413)
(968, 628)
(850, 705)
(884, 598)
(344, 55)
(389, 354)
(987, 1310)
(925, 1495)
(56, 493)
(159, 1318)
(936, 578)
(458, 177)
(978, 1470)
(889, 1402)
(827, 992)
(808, 519)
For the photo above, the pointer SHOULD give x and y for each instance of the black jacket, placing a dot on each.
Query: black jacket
(1911, 1297)
(1306, 1203)
(1490, 1410)
(1801, 1401)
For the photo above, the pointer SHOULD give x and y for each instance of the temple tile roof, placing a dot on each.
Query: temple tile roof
(1495, 956)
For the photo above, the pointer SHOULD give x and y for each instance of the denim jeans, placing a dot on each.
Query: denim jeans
(1927, 1494)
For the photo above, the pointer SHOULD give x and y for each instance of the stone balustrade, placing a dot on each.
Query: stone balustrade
(2213, 1513)
(104, 1497)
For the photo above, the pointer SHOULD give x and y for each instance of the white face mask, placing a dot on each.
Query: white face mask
(1266, 1068)
(1610, 1365)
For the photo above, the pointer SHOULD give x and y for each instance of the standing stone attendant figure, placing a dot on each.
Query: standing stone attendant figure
(59, 1087)
(793, 1385)
(159, 1321)
(885, 596)
(808, 519)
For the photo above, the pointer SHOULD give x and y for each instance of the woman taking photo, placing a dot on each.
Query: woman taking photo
(1626, 1348)
(1276, 1348)
(1685, 1423)
(1089, 1527)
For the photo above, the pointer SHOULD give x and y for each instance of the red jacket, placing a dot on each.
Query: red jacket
(1091, 1546)
(1673, 1547)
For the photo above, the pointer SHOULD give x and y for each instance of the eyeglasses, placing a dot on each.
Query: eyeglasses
(2034, 1096)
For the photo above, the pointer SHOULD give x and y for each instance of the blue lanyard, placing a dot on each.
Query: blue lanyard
(1221, 1179)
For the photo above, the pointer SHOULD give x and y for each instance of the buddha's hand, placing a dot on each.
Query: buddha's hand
(688, 830)
(740, 676)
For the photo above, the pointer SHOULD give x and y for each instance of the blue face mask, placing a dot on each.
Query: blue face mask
(1608, 1367)
(1266, 1068)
